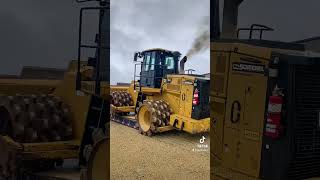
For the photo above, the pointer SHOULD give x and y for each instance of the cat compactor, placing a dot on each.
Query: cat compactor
(164, 97)
(265, 105)
(47, 122)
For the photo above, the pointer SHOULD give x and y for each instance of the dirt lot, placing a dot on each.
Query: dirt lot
(168, 156)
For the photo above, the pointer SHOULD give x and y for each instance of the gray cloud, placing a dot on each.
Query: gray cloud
(45, 32)
(144, 24)
(38, 33)
(291, 19)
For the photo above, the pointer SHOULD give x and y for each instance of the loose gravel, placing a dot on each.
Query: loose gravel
(168, 156)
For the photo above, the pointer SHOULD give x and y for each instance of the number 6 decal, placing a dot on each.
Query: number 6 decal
(235, 104)
(183, 96)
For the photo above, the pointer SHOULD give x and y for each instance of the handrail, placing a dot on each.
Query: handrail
(255, 27)
(102, 2)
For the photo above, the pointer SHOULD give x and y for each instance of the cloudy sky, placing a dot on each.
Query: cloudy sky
(291, 19)
(39, 33)
(143, 24)
(174, 24)
(44, 32)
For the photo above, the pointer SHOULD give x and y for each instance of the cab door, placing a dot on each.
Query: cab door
(145, 71)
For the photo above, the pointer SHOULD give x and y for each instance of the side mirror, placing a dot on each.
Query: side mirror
(135, 57)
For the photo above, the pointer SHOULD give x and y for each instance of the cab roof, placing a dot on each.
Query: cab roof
(160, 49)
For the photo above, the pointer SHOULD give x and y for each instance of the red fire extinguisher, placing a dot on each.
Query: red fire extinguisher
(273, 126)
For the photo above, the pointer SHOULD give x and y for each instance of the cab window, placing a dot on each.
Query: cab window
(169, 62)
(153, 60)
(147, 58)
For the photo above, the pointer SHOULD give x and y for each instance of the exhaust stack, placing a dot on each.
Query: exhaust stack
(182, 62)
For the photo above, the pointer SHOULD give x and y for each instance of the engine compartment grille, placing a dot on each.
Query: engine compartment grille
(306, 133)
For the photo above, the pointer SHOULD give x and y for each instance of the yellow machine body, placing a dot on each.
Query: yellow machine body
(177, 91)
(191, 126)
(65, 89)
(236, 143)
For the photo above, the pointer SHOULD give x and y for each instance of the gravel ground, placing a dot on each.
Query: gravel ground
(69, 171)
(167, 156)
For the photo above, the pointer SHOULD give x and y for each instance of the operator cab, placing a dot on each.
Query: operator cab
(155, 65)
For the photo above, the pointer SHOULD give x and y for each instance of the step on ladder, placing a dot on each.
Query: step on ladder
(98, 118)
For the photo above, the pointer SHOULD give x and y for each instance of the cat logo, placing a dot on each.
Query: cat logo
(252, 68)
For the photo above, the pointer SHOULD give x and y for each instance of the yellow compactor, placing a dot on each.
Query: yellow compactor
(45, 124)
(164, 97)
(43, 121)
(264, 104)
